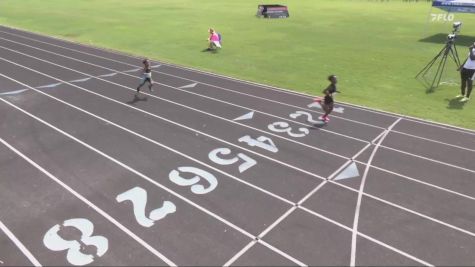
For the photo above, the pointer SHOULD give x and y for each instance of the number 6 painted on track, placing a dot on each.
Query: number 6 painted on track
(175, 177)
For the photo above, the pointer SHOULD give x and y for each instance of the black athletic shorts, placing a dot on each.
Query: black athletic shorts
(467, 74)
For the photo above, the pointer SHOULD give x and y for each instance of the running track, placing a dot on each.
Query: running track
(209, 170)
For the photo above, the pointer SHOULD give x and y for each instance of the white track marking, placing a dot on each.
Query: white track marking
(157, 82)
(141, 175)
(206, 211)
(360, 193)
(368, 237)
(312, 147)
(240, 253)
(258, 188)
(124, 73)
(14, 92)
(85, 200)
(288, 212)
(288, 91)
(429, 159)
(17, 242)
(282, 163)
(219, 101)
(251, 185)
(434, 141)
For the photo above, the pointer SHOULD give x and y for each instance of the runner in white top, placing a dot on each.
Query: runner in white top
(147, 76)
(467, 75)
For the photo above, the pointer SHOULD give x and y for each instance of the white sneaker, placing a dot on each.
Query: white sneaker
(464, 99)
(459, 96)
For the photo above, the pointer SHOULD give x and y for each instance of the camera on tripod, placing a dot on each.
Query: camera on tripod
(451, 37)
(456, 27)
(449, 50)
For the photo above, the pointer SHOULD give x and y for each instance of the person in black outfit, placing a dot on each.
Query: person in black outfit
(147, 76)
(327, 103)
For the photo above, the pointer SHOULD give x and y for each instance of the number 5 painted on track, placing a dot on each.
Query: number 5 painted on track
(248, 162)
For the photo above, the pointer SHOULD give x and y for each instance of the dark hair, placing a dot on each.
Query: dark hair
(331, 76)
(144, 60)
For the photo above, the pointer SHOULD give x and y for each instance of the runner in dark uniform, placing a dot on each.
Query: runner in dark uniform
(327, 103)
(147, 76)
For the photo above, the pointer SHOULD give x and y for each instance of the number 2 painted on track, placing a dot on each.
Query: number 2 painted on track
(248, 162)
(299, 113)
(138, 197)
(54, 242)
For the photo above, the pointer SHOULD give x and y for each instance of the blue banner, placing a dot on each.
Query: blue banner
(461, 6)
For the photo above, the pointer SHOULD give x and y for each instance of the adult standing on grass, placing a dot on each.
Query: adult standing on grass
(467, 72)
(146, 77)
(213, 40)
(327, 103)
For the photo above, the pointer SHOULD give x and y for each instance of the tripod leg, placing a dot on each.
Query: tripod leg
(429, 65)
(442, 70)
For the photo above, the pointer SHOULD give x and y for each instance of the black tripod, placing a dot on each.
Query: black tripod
(448, 50)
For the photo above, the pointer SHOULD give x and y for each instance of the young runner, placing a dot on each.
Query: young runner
(147, 76)
(327, 101)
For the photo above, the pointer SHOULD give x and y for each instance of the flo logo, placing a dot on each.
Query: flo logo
(442, 17)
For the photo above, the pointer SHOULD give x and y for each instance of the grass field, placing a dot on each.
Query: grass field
(376, 48)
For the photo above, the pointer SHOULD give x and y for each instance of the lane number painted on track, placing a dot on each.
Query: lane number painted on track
(216, 158)
(284, 127)
(261, 142)
(199, 174)
(53, 241)
(299, 113)
(138, 197)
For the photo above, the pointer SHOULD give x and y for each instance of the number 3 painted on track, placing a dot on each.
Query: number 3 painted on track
(284, 127)
(54, 242)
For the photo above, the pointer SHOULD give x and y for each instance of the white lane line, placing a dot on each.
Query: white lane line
(299, 263)
(208, 212)
(155, 142)
(282, 163)
(195, 110)
(411, 154)
(429, 159)
(360, 194)
(338, 184)
(240, 253)
(290, 211)
(371, 239)
(86, 201)
(170, 87)
(139, 174)
(149, 179)
(18, 243)
(14, 92)
(334, 154)
(434, 141)
(157, 82)
(376, 111)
